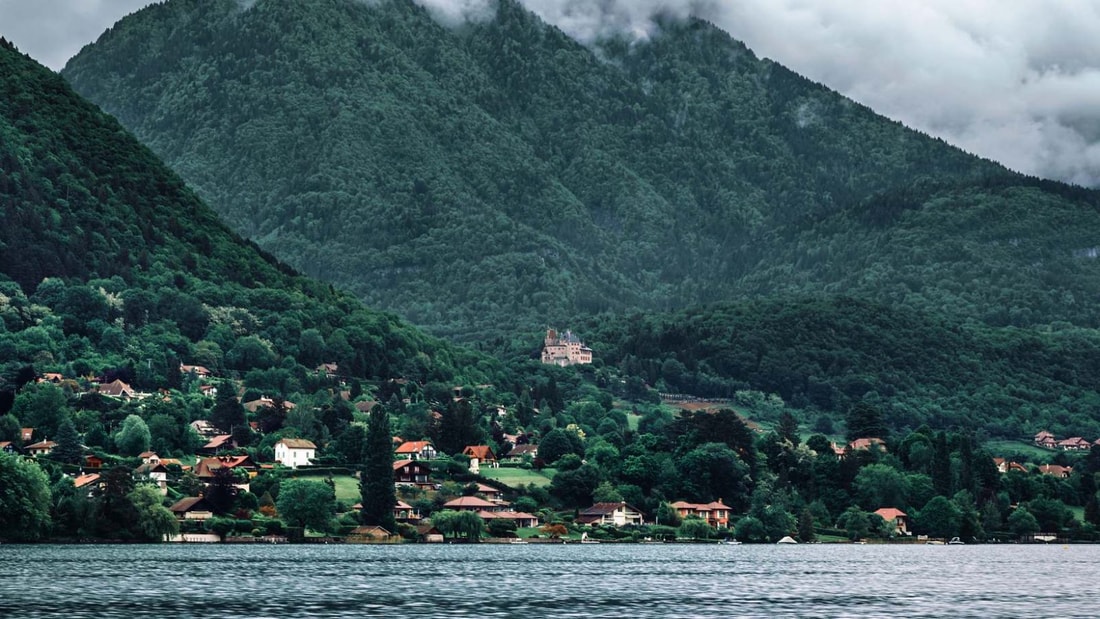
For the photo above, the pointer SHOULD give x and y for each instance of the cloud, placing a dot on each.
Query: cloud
(52, 31)
(1017, 81)
(457, 12)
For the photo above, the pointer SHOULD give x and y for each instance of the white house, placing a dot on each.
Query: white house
(294, 452)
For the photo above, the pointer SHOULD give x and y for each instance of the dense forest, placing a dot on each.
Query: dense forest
(491, 178)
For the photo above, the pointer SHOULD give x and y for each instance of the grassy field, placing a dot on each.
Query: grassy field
(518, 477)
(1006, 448)
(347, 487)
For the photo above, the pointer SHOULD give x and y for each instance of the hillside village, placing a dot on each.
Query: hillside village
(231, 477)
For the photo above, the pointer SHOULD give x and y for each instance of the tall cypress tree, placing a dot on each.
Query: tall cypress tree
(376, 477)
(941, 466)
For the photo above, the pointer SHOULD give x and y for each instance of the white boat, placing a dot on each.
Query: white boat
(955, 542)
(787, 539)
(518, 541)
(729, 542)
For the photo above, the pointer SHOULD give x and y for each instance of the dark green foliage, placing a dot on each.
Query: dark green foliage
(68, 449)
(24, 499)
(376, 476)
(563, 180)
(303, 503)
(834, 354)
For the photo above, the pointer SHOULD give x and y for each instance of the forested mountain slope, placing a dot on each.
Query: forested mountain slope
(499, 175)
(109, 263)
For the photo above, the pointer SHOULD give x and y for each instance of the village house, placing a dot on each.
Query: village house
(205, 429)
(156, 472)
(295, 452)
(253, 406)
(490, 493)
(1004, 466)
(898, 517)
(863, 444)
(206, 467)
(1075, 443)
(117, 389)
(192, 508)
(370, 535)
(197, 370)
(611, 514)
(522, 453)
(412, 473)
(480, 455)
(522, 519)
(328, 369)
(41, 448)
(473, 504)
(565, 349)
(7, 447)
(51, 377)
(1045, 439)
(218, 444)
(26, 435)
(88, 482)
(1056, 470)
(403, 512)
(416, 450)
(715, 513)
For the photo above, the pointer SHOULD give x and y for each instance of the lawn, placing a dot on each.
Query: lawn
(347, 487)
(1007, 449)
(516, 477)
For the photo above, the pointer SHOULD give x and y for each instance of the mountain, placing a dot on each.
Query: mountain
(490, 178)
(108, 262)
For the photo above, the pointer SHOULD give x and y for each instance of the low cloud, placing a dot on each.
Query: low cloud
(1017, 82)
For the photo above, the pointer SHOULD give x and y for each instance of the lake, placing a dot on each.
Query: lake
(606, 580)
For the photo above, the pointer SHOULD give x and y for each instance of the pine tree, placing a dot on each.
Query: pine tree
(68, 448)
(376, 476)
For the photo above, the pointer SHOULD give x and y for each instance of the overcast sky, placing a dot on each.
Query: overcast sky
(1017, 81)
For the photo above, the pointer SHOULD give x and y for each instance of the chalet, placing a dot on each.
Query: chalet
(253, 406)
(328, 369)
(898, 517)
(522, 453)
(209, 391)
(192, 508)
(93, 462)
(117, 389)
(611, 514)
(480, 455)
(148, 457)
(219, 443)
(416, 450)
(564, 349)
(41, 448)
(26, 435)
(51, 377)
(1045, 439)
(156, 472)
(412, 473)
(715, 513)
(471, 504)
(522, 519)
(1075, 443)
(7, 447)
(205, 468)
(1056, 470)
(295, 452)
(197, 370)
(88, 482)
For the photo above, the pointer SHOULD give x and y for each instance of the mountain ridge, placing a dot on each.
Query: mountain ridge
(488, 179)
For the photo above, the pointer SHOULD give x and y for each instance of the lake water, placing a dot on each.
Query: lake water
(533, 580)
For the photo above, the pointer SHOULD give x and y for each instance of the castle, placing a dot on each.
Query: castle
(564, 350)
